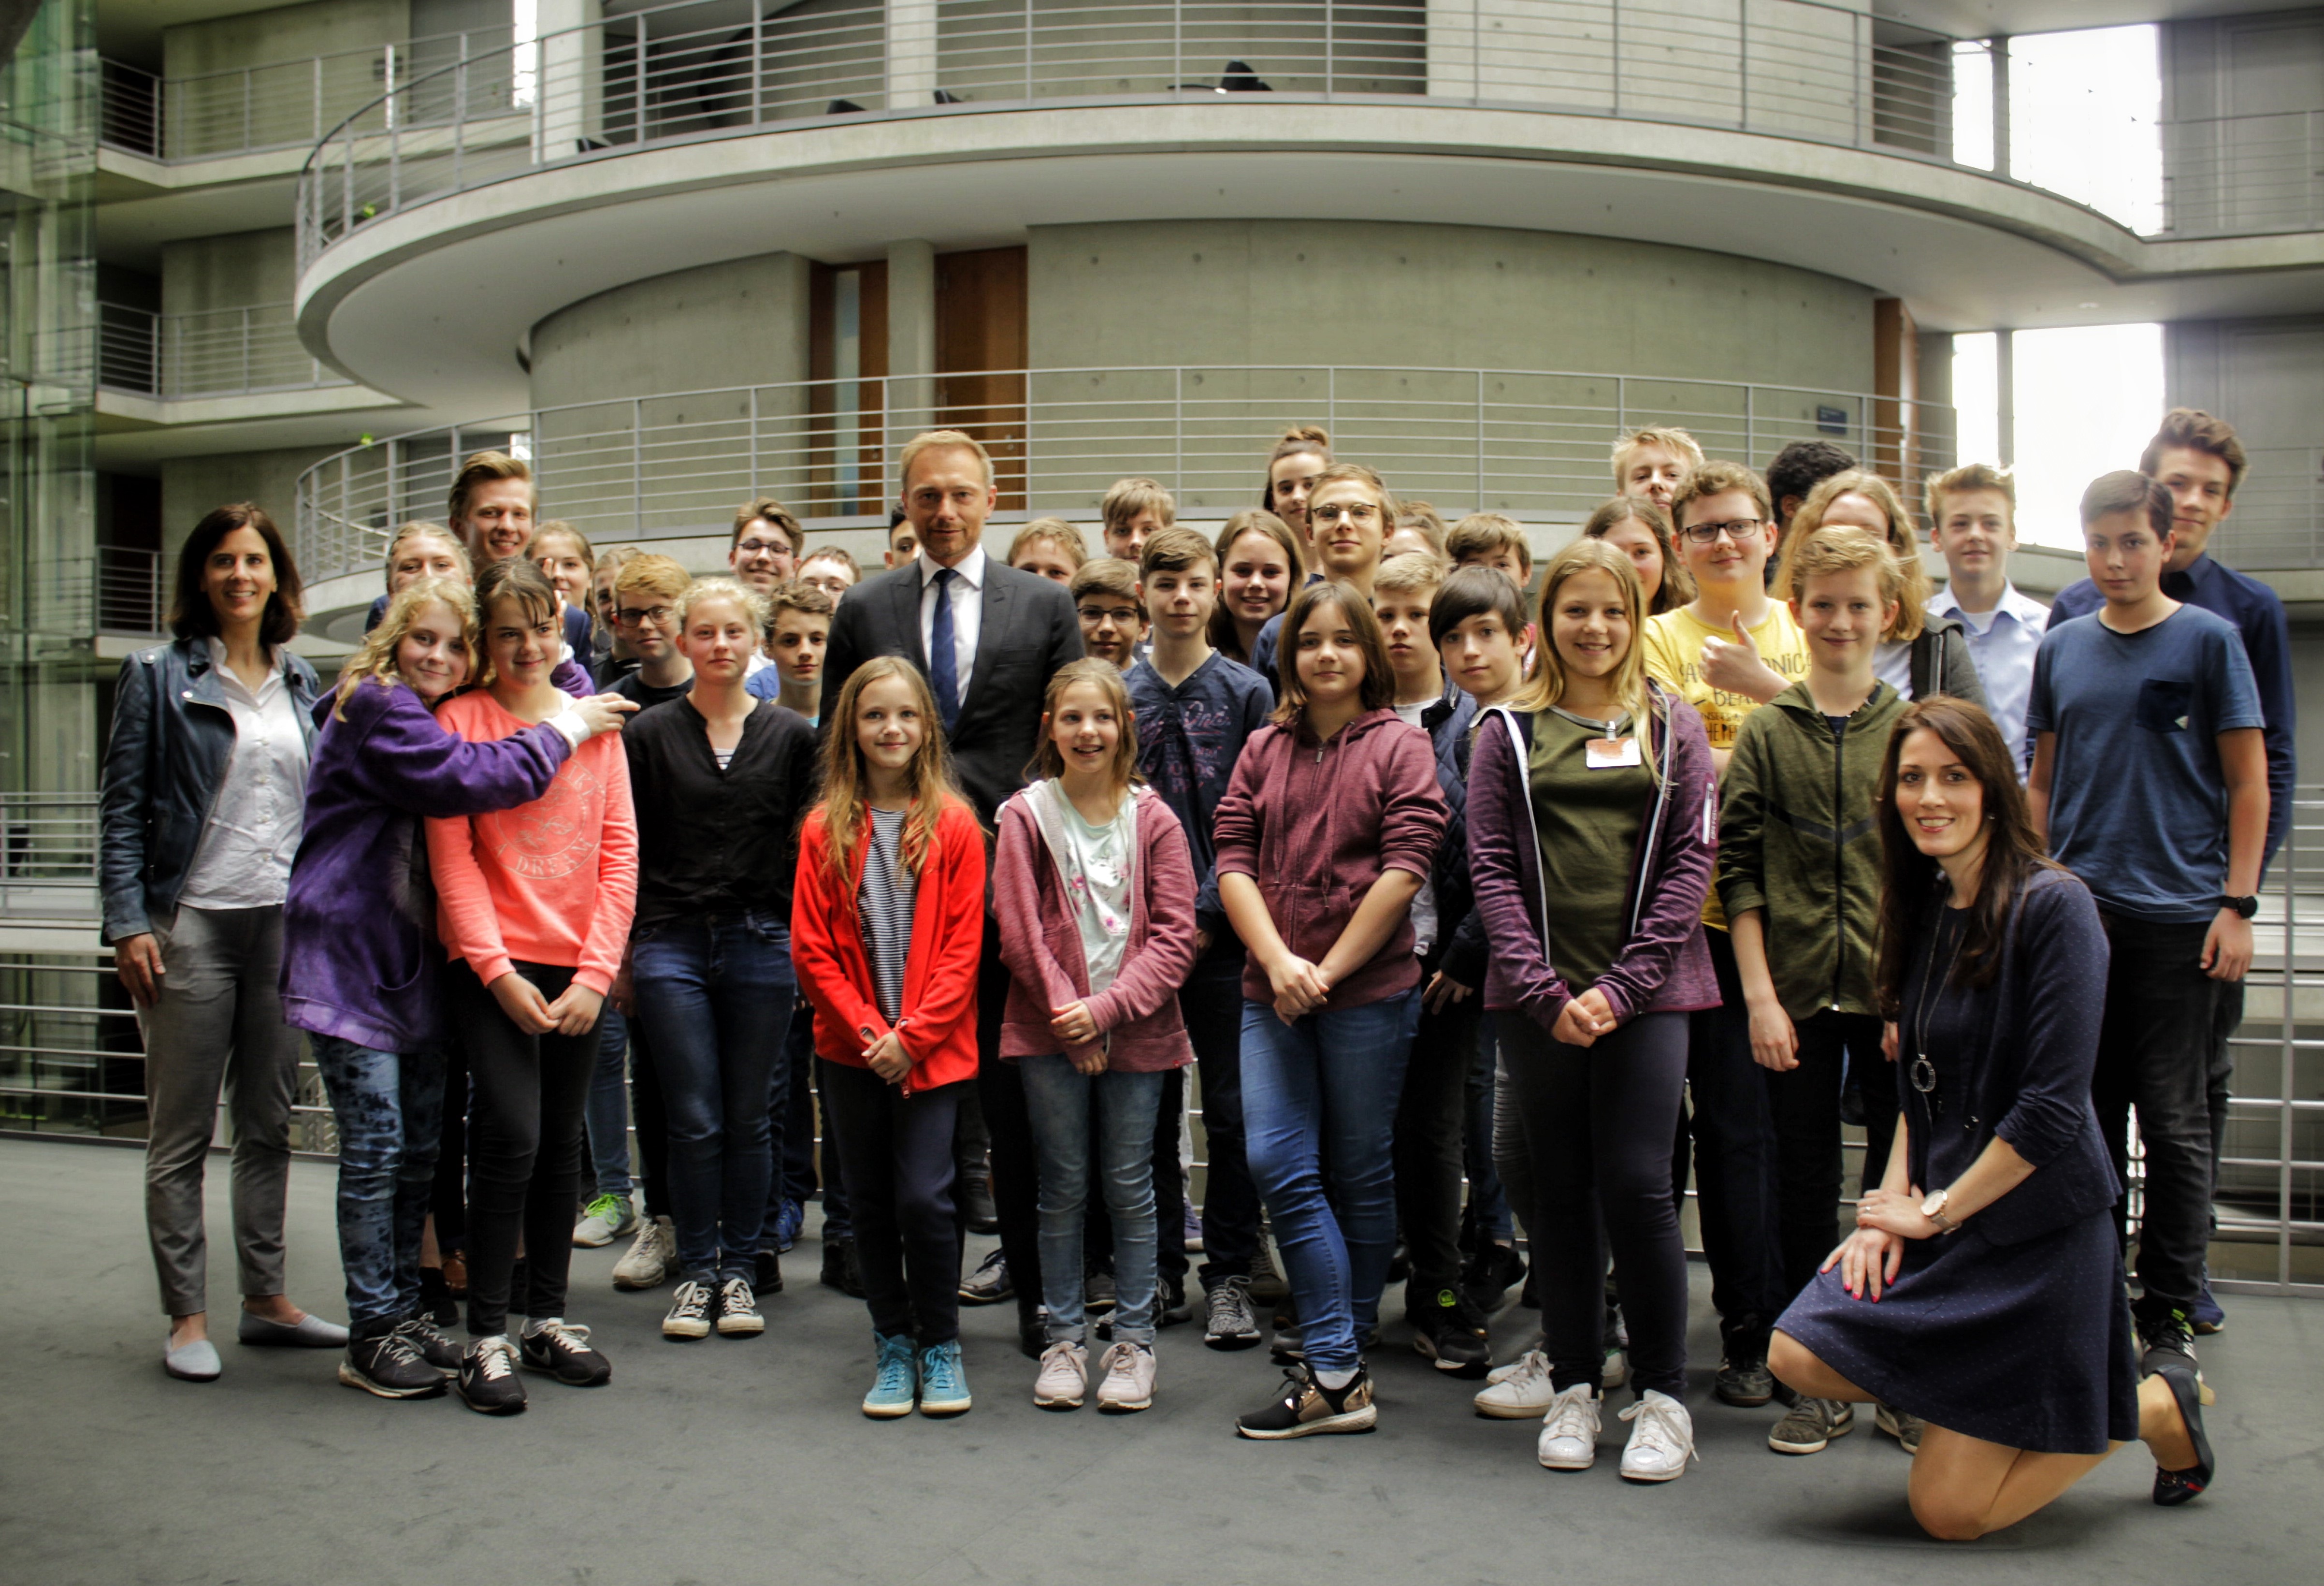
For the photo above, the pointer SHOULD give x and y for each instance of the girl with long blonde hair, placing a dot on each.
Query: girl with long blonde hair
(887, 931)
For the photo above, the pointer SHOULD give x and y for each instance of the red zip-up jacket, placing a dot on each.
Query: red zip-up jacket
(938, 1022)
(1316, 823)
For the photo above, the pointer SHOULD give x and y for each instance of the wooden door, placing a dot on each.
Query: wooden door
(980, 352)
(847, 357)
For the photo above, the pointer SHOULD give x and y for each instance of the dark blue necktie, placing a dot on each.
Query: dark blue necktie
(944, 669)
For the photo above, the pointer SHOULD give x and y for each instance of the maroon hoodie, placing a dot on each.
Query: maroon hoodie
(1314, 824)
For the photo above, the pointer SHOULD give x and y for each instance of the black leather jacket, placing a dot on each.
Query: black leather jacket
(172, 737)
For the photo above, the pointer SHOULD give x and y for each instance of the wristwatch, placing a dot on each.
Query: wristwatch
(1933, 1209)
(2246, 906)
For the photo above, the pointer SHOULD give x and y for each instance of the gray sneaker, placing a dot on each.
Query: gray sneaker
(606, 1219)
(1900, 1424)
(1229, 1322)
(652, 1260)
(1811, 1423)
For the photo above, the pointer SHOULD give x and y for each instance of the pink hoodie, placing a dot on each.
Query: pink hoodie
(1316, 823)
(1042, 945)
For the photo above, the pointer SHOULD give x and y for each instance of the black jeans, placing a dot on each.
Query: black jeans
(1016, 1171)
(2156, 1053)
(836, 1222)
(896, 1152)
(1804, 1104)
(1211, 1003)
(524, 1147)
(650, 1119)
(1597, 1122)
(1431, 1125)
(1734, 1161)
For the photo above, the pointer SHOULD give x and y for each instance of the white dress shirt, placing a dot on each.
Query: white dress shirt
(2002, 643)
(967, 593)
(243, 860)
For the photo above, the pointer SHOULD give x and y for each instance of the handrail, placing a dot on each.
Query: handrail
(213, 352)
(271, 105)
(1533, 443)
(651, 77)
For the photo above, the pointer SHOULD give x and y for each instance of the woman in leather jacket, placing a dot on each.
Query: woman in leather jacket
(205, 779)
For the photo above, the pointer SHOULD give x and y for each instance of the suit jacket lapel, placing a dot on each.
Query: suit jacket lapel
(998, 598)
(906, 613)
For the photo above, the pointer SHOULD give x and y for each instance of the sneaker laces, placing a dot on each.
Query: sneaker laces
(895, 1373)
(1533, 1366)
(1662, 1428)
(734, 1295)
(940, 1368)
(1571, 1414)
(608, 1207)
(571, 1336)
(494, 1358)
(692, 1298)
(1121, 1362)
(1227, 1308)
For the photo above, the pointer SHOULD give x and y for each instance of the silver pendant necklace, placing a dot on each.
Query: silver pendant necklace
(1922, 1072)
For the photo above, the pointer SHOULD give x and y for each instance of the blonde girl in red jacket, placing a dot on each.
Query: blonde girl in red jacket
(1094, 891)
(886, 925)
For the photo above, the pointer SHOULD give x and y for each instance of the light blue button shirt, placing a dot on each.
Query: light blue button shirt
(2002, 643)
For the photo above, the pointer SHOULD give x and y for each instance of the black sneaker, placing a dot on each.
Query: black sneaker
(435, 1300)
(1097, 1289)
(1305, 1408)
(1171, 1306)
(429, 1343)
(2163, 1337)
(1744, 1380)
(559, 1349)
(2173, 1488)
(1447, 1330)
(488, 1381)
(386, 1365)
(989, 1284)
(840, 1270)
(1033, 1332)
(769, 1277)
(1492, 1272)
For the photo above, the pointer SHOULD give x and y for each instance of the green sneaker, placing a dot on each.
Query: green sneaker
(893, 1390)
(605, 1219)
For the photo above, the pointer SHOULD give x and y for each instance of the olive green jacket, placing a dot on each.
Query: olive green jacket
(1797, 839)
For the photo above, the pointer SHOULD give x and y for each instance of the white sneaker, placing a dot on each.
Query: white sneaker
(605, 1219)
(1127, 1381)
(652, 1258)
(1064, 1376)
(1518, 1391)
(1569, 1430)
(1662, 1439)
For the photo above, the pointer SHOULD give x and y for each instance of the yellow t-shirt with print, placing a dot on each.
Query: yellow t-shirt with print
(1674, 643)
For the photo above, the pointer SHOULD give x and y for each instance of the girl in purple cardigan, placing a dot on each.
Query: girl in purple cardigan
(359, 957)
(1094, 891)
(1594, 787)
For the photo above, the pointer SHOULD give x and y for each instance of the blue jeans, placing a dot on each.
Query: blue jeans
(607, 1111)
(1058, 1100)
(389, 1108)
(1328, 1086)
(716, 992)
(791, 1122)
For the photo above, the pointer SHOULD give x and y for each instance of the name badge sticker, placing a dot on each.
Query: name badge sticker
(1605, 754)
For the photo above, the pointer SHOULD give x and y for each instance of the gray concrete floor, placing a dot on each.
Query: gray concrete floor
(727, 1461)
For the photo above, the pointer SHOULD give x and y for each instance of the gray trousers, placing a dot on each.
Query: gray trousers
(218, 1024)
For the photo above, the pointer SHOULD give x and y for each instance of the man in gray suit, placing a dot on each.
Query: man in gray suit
(988, 638)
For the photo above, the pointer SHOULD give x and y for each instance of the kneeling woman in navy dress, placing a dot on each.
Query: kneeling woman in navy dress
(1982, 1289)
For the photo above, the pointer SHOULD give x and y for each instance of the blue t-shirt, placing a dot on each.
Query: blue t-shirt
(2138, 803)
(1188, 741)
(766, 683)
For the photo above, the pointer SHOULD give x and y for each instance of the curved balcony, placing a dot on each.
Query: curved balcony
(672, 467)
(1793, 69)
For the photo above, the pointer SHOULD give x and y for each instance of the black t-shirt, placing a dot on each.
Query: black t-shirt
(632, 685)
(713, 841)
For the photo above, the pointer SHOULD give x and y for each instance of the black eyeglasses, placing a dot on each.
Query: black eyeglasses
(1735, 528)
(630, 617)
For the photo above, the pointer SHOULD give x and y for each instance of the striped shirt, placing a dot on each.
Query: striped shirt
(884, 905)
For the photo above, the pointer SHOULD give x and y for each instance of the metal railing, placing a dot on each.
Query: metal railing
(219, 352)
(1528, 443)
(280, 105)
(131, 589)
(2239, 175)
(1791, 68)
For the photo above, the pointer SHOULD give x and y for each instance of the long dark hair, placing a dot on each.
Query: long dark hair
(191, 615)
(1911, 880)
(1378, 689)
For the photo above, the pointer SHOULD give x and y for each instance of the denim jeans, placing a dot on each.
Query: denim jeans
(2155, 1047)
(1432, 1122)
(790, 1146)
(607, 1114)
(1059, 1101)
(716, 991)
(1327, 1087)
(389, 1107)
